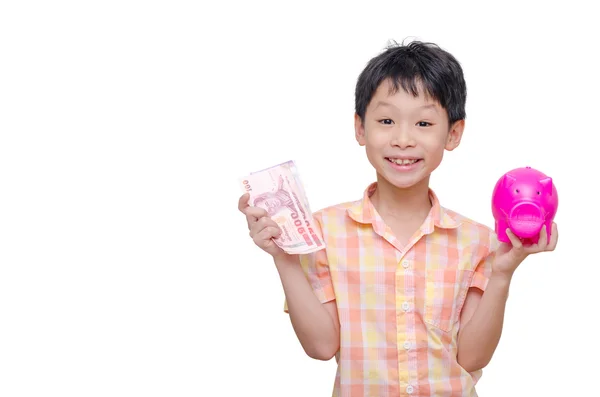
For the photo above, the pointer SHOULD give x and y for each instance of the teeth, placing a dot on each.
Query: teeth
(402, 162)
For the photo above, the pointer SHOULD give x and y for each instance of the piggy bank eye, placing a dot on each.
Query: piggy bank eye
(517, 190)
(539, 193)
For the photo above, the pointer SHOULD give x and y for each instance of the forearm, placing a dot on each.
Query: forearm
(314, 326)
(479, 338)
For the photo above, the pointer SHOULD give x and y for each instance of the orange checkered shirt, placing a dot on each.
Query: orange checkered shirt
(399, 305)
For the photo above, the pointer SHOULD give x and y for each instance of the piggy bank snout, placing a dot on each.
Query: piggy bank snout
(526, 219)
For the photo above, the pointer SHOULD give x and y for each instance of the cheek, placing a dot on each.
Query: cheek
(373, 155)
(434, 146)
(372, 149)
(377, 138)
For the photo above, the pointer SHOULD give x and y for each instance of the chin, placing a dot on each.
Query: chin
(404, 182)
(406, 185)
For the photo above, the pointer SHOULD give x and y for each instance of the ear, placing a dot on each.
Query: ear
(359, 130)
(508, 180)
(455, 135)
(547, 185)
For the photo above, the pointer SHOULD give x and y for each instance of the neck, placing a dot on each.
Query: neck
(402, 204)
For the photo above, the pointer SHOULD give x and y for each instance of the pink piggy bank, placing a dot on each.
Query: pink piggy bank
(524, 200)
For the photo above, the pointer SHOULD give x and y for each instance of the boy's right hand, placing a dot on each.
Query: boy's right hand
(262, 228)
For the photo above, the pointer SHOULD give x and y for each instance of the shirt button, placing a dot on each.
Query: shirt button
(409, 389)
(405, 264)
(405, 306)
(407, 345)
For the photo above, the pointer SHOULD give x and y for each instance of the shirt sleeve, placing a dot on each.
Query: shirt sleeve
(483, 271)
(316, 270)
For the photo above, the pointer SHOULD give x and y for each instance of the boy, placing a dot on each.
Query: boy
(408, 295)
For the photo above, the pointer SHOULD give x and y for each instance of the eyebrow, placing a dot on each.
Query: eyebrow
(387, 104)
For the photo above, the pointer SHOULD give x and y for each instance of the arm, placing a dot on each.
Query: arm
(481, 322)
(316, 324)
(482, 317)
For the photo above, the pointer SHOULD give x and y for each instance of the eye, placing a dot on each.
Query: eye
(517, 190)
(386, 121)
(423, 124)
(538, 192)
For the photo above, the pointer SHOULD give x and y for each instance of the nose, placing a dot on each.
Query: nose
(402, 137)
(526, 219)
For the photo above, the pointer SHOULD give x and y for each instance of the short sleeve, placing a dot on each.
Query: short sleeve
(316, 269)
(483, 271)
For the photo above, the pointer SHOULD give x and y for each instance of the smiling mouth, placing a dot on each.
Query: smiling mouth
(402, 161)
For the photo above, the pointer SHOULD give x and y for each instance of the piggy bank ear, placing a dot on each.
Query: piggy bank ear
(547, 185)
(508, 180)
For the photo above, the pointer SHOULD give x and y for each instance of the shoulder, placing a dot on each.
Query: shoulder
(472, 230)
(337, 211)
(335, 219)
(474, 239)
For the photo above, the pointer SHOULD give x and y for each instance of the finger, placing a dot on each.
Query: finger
(253, 214)
(541, 244)
(543, 239)
(515, 241)
(243, 202)
(250, 220)
(259, 225)
(274, 231)
(270, 222)
(256, 212)
(553, 238)
(265, 235)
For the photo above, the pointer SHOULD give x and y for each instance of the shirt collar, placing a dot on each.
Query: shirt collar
(363, 211)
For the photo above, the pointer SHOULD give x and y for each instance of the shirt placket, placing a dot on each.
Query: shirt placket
(405, 319)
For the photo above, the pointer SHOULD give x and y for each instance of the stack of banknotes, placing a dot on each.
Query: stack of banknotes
(279, 191)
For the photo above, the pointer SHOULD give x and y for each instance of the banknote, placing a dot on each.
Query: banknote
(280, 192)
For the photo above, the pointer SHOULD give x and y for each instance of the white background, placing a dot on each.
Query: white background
(125, 268)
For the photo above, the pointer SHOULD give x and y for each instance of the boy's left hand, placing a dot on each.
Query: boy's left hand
(509, 257)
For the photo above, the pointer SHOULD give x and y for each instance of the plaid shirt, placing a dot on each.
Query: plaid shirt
(399, 306)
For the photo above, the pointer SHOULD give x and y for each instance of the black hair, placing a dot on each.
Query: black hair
(413, 66)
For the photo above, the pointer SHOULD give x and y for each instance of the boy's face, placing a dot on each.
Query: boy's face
(405, 136)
